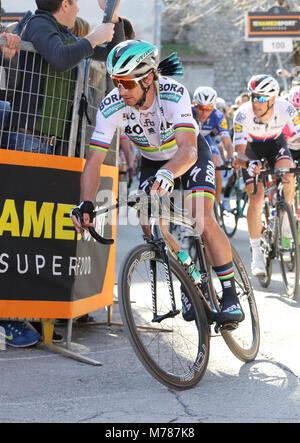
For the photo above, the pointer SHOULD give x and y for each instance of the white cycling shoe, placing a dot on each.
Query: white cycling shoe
(226, 205)
(258, 267)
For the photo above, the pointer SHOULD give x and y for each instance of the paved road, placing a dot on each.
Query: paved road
(40, 386)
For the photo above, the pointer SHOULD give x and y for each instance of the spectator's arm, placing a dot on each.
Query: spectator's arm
(100, 52)
(13, 41)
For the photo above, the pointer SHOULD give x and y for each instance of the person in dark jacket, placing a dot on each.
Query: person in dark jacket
(45, 90)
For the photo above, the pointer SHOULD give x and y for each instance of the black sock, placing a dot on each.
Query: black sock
(225, 274)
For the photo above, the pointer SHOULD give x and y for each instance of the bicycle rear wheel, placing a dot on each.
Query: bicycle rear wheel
(229, 219)
(288, 249)
(243, 341)
(174, 351)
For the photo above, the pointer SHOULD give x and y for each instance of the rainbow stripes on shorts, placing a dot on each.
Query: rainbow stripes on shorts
(96, 145)
(201, 191)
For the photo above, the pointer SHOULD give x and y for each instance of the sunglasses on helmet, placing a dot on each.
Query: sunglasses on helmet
(259, 98)
(204, 107)
(127, 83)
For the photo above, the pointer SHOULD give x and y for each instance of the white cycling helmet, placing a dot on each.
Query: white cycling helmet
(206, 96)
(264, 85)
(221, 104)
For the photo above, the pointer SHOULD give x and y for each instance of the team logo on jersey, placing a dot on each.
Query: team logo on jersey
(171, 92)
(240, 117)
(111, 104)
(223, 124)
(238, 128)
(296, 120)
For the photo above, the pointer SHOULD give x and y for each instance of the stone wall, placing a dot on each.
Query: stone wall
(235, 60)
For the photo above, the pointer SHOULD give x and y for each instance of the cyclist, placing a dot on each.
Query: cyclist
(294, 146)
(258, 133)
(155, 113)
(212, 121)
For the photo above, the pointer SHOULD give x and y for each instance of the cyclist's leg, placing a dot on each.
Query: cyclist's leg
(219, 179)
(284, 159)
(200, 191)
(255, 203)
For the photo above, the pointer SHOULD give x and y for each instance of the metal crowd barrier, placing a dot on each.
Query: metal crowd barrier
(64, 115)
(42, 263)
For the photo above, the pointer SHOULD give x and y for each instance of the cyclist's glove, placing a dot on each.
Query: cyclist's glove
(166, 179)
(84, 207)
(251, 165)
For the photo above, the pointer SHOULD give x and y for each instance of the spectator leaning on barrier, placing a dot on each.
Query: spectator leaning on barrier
(37, 125)
(16, 333)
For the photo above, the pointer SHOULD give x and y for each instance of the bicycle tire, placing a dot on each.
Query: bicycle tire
(289, 246)
(244, 341)
(229, 220)
(173, 351)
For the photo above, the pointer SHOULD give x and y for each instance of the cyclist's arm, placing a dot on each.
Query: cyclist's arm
(125, 145)
(89, 182)
(99, 146)
(241, 158)
(228, 146)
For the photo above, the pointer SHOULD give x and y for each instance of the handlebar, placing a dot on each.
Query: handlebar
(277, 171)
(92, 231)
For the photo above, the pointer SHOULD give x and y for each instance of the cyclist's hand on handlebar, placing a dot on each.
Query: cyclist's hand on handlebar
(253, 167)
(82, 216)
(164, 182)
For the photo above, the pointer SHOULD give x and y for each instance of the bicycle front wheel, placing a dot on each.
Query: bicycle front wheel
(243, 341)
(173, 350)
(288, 249)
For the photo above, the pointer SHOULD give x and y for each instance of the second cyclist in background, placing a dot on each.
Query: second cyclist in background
(212, 120)
(258, 133)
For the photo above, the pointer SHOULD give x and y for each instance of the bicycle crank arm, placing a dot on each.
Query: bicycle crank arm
(171, 314)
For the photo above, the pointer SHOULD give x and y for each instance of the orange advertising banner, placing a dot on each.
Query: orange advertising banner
(46, 270)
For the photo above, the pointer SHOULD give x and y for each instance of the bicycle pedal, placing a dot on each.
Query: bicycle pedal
(229, 326)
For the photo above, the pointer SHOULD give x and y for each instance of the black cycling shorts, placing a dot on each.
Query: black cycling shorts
(271, 150)
(198, 181)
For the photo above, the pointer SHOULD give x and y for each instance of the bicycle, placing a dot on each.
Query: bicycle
(238, 199)
(173, 350)
(279, 240)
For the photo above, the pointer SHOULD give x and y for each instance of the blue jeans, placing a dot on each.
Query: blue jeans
(4, 113)
(25, 142)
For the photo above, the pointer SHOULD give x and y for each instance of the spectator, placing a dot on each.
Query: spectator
(244, 97)
(81, 28)
(49, 32)
(18, 334)
(6, 52)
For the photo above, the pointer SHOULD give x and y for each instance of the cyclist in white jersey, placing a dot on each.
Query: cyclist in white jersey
(294, 146)
(258, 133)
(155, 113)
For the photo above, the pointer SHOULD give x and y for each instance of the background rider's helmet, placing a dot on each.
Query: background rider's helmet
(294, 96)
(132, 57)
(264, 85)
(221, 104)
(206, 96)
